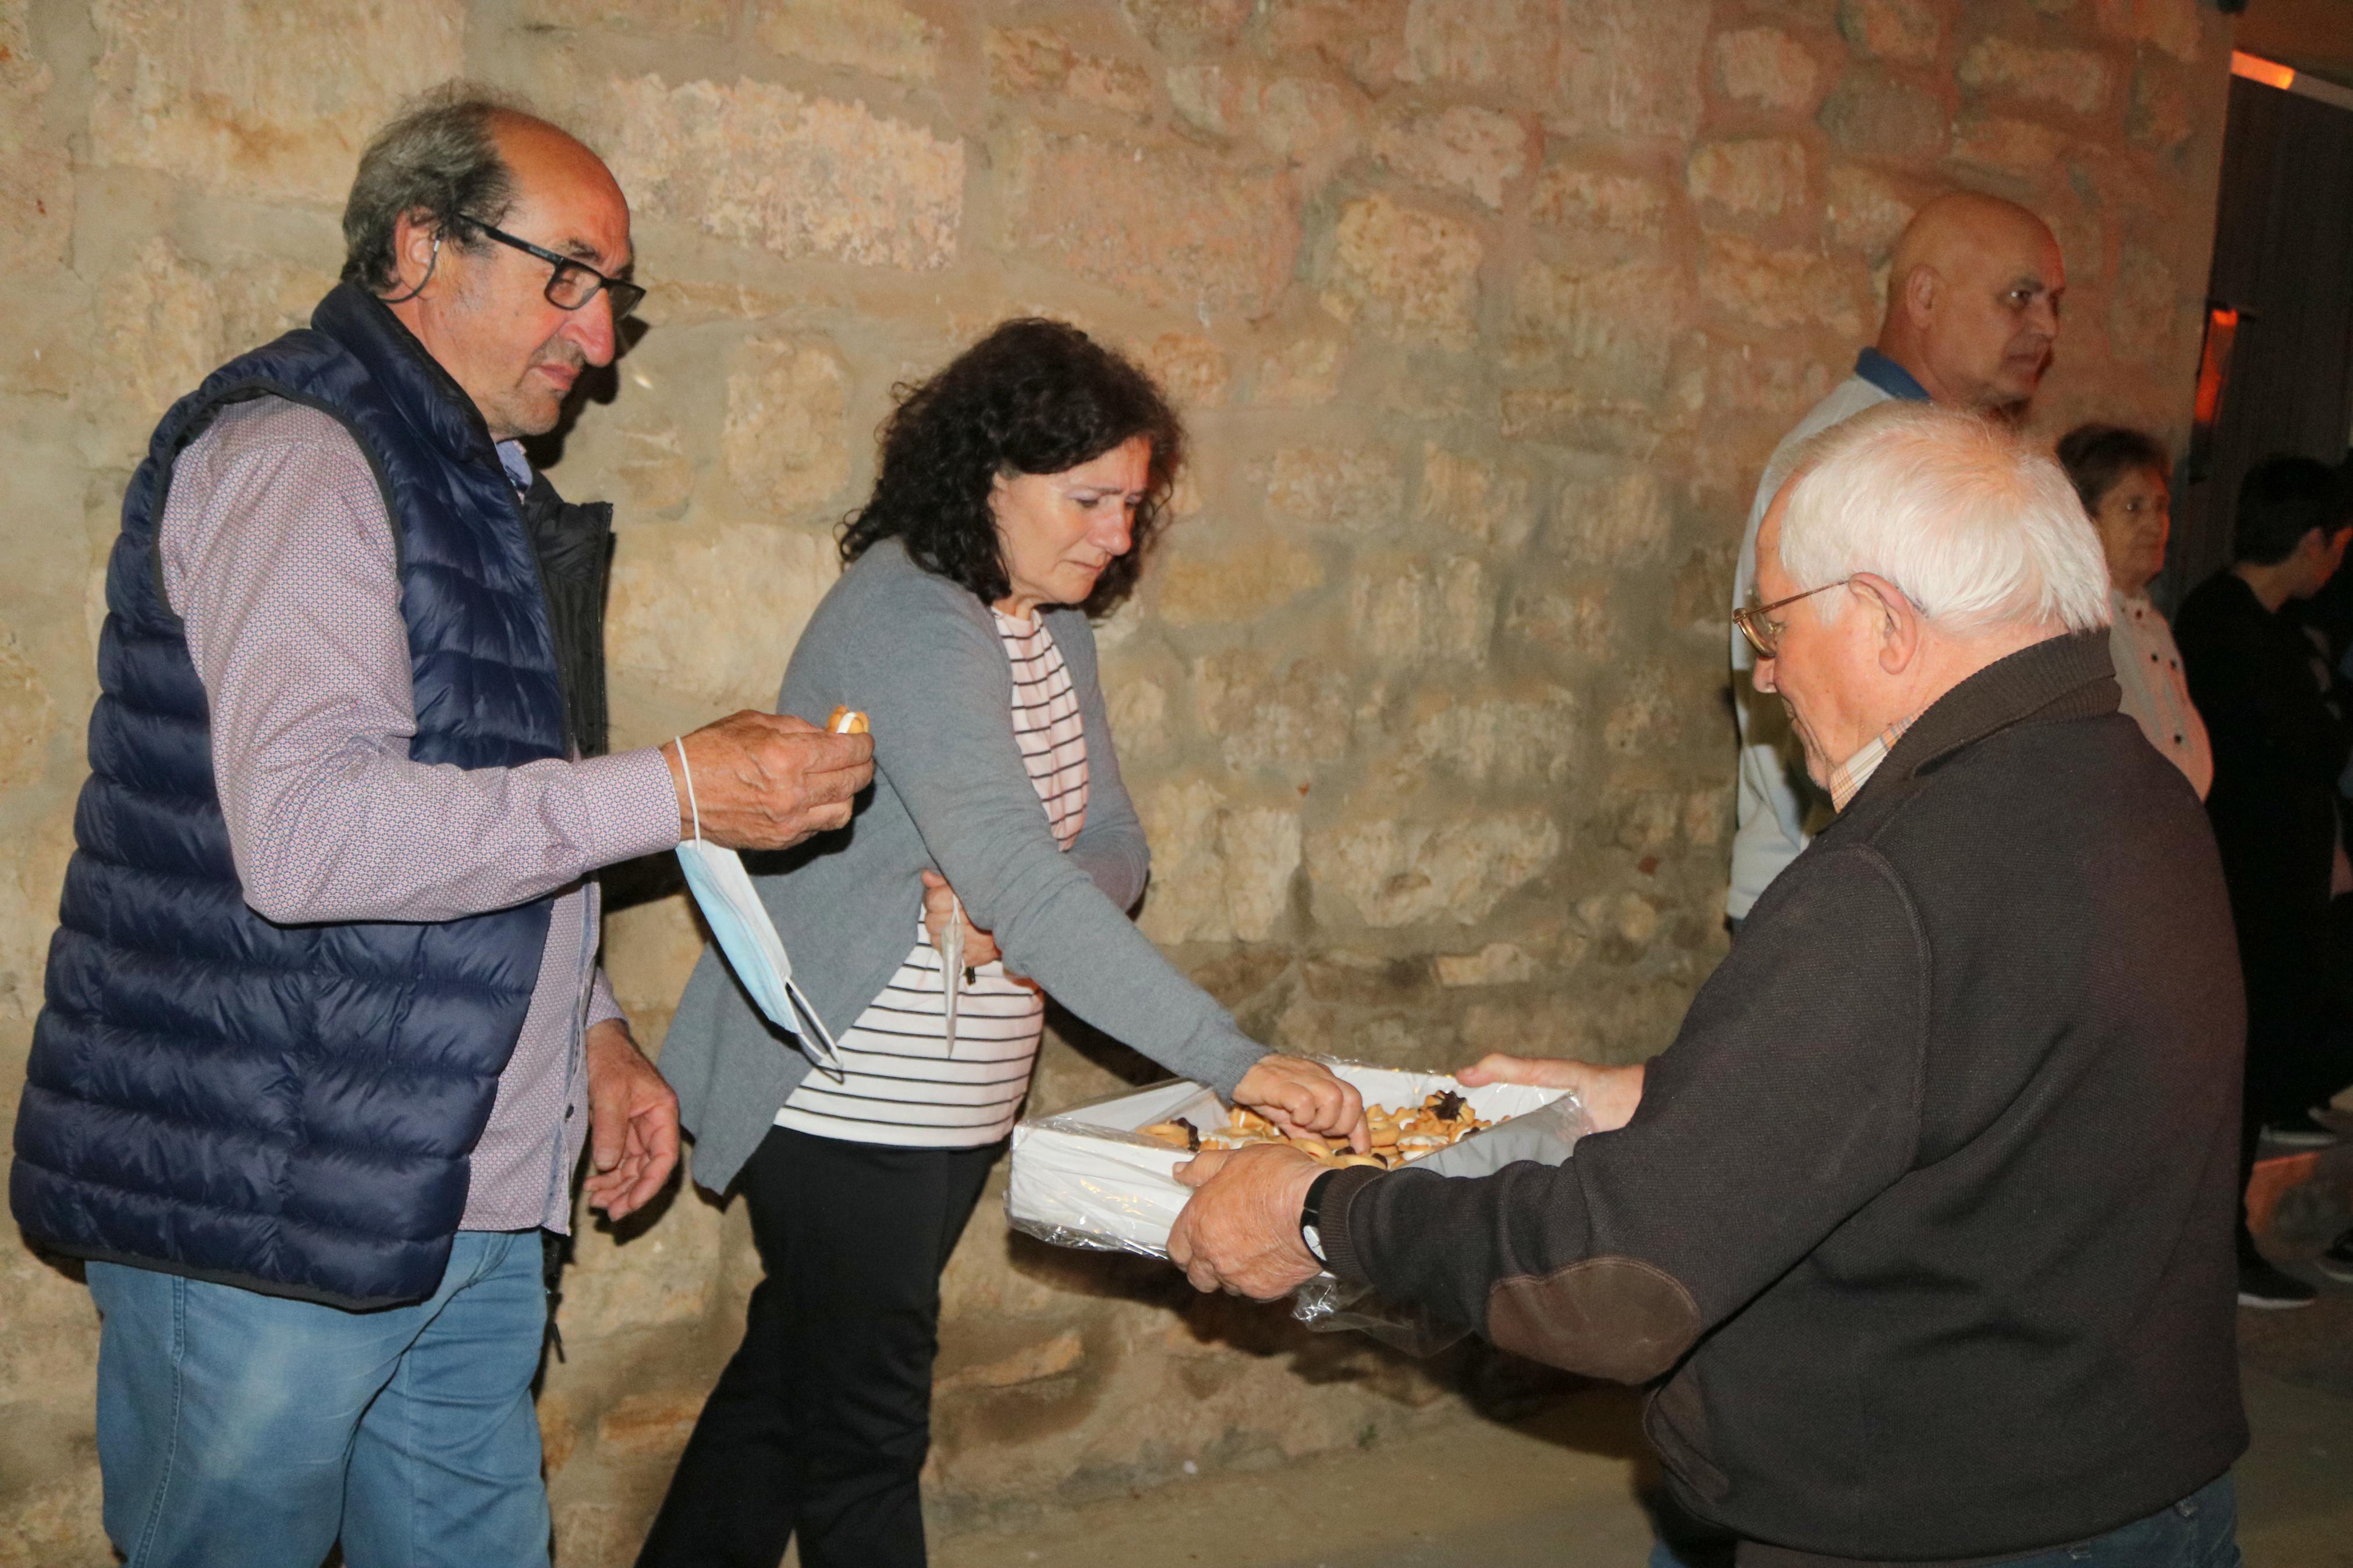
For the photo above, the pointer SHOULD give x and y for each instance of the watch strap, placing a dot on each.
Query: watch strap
(1311, 1216)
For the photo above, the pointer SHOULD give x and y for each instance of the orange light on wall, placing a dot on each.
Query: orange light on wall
(2213, 380)
(2214, 364)
(2287, 78)
(2271, 73)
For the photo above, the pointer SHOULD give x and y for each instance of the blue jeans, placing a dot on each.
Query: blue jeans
(239, 1430)
(2201, 1531)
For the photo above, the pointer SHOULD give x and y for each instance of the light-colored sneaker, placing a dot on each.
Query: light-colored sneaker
(2302, 1133)
(2263, 1286)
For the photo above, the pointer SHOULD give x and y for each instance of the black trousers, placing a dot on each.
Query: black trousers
(819, 1424)
(2299, 980)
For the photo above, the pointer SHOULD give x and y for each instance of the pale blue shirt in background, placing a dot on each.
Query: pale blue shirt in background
(1773, 799)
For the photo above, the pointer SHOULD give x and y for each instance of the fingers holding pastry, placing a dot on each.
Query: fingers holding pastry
(1301, 1096)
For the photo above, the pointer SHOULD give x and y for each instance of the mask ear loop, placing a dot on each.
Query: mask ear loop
(421, 282)
(827, 1060)
(687, 774)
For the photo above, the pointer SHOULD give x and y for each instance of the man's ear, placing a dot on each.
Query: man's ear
(1896, 622)
(1922, 291)
(415, 244)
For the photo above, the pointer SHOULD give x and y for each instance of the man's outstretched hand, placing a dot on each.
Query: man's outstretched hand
(632, 1123)
(1239, 1231)
(766, 781)
(1610, 1094)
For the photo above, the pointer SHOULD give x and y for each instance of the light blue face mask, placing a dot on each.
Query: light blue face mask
(739, 923)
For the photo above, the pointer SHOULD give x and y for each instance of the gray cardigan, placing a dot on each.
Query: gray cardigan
(922, 657)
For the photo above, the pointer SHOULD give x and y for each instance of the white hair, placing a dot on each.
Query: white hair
(1977, 528)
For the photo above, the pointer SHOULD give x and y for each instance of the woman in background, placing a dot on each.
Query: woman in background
(2121, 476)
(1016, 486)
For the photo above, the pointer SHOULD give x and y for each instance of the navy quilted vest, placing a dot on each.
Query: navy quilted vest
(289, 1109)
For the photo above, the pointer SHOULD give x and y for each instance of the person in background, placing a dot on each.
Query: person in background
(325, 1030)
(2279, 751)
(2335, 1260)
(1017, 487)
(1922, 1222)
(2122, 477)
(1973, 296)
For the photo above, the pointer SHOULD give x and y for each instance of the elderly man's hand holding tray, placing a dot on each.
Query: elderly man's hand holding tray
(1120, 1174)
(1240, 1231)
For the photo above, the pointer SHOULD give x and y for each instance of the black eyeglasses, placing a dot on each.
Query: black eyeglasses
(573, 283)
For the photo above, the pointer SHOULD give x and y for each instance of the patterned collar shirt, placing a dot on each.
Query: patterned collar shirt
(2156, 695)
(1848, 778)
(279, 556)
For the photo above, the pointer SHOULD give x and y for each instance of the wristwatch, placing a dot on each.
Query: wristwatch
(1311, 1216)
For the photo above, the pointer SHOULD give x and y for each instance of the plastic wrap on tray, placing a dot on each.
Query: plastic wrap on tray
(1085, 1177)
(1547, 1135)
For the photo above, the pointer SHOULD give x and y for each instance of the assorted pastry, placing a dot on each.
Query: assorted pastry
(1399, 1135)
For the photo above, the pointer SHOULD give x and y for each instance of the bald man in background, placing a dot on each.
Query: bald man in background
(1973, 297)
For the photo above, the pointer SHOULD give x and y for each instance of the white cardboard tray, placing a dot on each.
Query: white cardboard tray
(1085, 1177)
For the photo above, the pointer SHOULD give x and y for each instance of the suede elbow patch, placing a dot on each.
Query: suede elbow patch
(1615, 1318)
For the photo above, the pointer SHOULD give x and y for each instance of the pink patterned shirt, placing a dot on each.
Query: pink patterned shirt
(277, 554)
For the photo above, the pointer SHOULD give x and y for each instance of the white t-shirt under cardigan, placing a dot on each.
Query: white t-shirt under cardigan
(905, 1084)
(920, 654)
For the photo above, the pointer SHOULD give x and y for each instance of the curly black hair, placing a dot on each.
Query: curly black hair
(1034, 396)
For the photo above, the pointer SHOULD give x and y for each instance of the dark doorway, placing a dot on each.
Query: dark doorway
(2283, 264)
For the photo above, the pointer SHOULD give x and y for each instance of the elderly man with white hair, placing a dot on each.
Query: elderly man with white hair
(1923, 1222)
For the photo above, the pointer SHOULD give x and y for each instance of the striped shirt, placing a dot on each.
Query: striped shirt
(905, 1084)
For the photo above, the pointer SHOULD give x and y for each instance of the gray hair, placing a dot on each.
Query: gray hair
(440, 157)
(1975, 526)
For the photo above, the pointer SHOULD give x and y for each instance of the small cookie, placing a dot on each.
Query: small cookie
(1178, 1134)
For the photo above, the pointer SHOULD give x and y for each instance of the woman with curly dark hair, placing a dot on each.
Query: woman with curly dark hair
(1017, 487)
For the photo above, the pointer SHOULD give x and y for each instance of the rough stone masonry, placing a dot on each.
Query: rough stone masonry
(1485, 314)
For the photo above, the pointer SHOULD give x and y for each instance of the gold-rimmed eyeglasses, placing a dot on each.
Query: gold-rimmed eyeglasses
(1764, 635)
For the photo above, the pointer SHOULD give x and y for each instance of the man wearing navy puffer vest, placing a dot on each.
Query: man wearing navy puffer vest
(324, 1032)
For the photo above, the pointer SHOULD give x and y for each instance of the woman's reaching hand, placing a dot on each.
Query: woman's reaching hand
(1301, 1096)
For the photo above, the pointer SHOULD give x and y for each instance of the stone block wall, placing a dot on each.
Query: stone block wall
(1485, 314)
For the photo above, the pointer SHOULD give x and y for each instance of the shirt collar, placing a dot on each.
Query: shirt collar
(1848, 778)
(1888, 376)
(517, 466)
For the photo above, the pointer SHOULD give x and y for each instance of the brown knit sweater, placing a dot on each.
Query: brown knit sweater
(1925, 1216)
